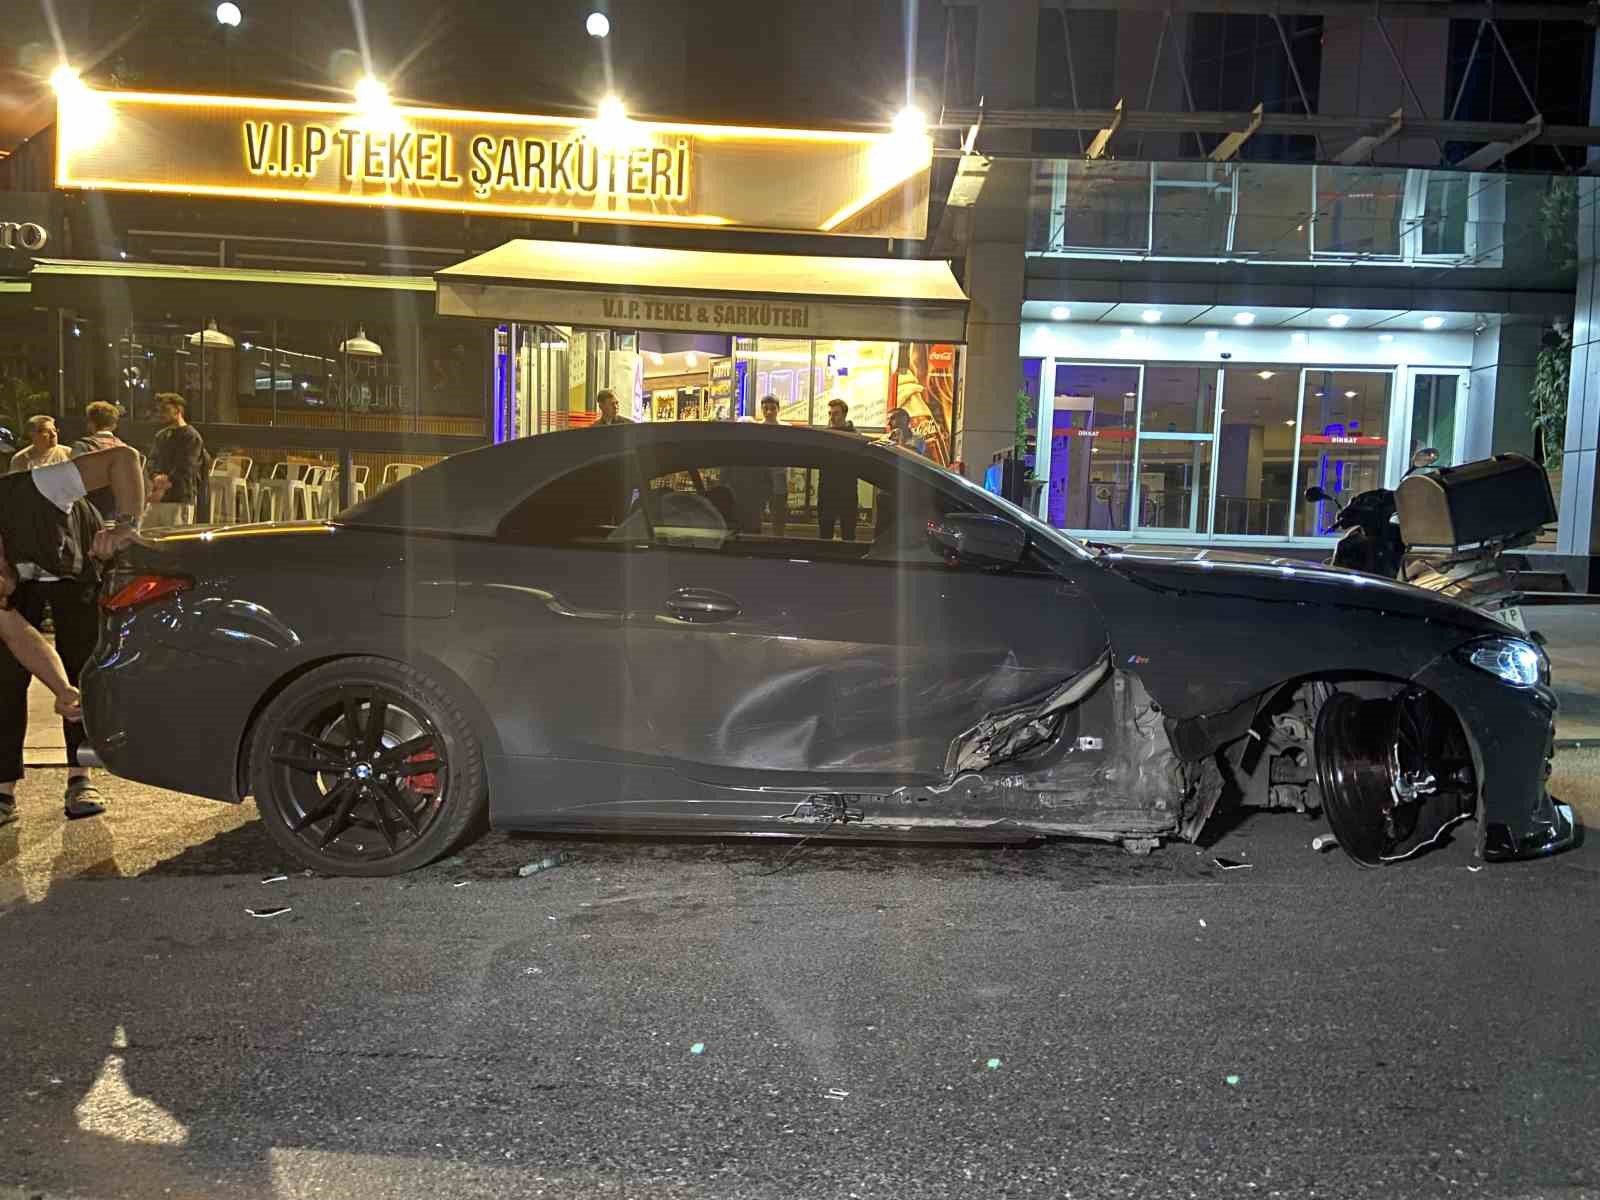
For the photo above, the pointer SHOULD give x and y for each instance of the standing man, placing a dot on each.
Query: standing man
(607, 400)
(836, 489)
(102, 420)
(47, 536)
(177, 466)
(44, 447)
(778, 497)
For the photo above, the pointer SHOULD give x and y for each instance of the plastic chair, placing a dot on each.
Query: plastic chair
(230, 492)
(395, 472)
(285, 496)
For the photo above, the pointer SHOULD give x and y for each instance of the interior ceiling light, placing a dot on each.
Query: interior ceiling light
(211, 338)
(1060, 313)
(228, 14)
(1386, 337)
(1150, 316)
(361, 346)
(1432, 322)
(598, 25)
(1244, 318)
(1299, 339)
(1338, 320)
(691, 360)
(1351, 395)
(1266, 374)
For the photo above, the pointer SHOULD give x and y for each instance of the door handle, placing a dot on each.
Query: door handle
(701, 604)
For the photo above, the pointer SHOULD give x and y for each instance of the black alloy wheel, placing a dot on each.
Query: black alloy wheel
(365, 767)
(1391, 772)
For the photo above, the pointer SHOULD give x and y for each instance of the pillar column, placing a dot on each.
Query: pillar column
(1579, 532)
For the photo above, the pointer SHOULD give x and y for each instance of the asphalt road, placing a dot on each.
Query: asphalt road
(1061, 1021)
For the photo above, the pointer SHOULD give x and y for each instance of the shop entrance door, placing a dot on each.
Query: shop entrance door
(1438, 406)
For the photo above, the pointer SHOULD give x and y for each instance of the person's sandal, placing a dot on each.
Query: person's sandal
(82, 800)
(8, 811)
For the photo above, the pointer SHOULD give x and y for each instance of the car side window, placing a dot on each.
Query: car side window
(797, 503)
(586, 507)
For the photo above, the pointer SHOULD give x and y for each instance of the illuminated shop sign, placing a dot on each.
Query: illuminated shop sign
(23, 235)
(601, 169)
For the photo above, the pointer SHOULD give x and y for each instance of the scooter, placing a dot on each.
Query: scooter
(1372, 541)
(1456, 549)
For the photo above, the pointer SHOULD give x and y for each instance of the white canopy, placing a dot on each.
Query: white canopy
(708, 291)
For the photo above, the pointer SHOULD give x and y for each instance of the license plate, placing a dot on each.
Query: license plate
(1512, 616)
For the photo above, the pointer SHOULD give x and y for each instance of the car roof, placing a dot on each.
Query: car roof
(469, 493)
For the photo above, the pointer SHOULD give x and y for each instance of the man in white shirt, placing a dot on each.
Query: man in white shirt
(44, 446)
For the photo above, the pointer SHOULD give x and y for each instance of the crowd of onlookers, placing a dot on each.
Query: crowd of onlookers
(175, 471)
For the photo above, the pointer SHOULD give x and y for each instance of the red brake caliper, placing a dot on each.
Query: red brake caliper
(426, 784)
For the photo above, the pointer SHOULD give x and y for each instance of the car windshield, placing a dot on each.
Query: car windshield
(1033, 524)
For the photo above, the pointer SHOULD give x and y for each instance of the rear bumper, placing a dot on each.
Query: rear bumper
(167, 717)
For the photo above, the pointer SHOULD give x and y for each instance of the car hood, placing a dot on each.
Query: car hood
(1215, 571)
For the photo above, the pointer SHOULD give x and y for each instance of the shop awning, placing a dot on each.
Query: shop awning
(708, 291)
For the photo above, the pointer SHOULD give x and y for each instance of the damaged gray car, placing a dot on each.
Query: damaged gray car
(720, 628)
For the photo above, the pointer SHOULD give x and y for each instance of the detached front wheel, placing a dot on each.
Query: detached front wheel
(366, 767)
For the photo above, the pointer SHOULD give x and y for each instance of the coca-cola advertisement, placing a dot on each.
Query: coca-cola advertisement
(924, 386)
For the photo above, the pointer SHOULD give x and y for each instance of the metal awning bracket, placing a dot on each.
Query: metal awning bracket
(1102, 140)
(1361, 150)
(1495, 152)
(1229, 146)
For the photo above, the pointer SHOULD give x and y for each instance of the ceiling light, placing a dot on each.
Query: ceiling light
(1386, 337)
(1432, 322)
(598, 25)
(1060, 313)
(1266, 374)
(1338, 320)
(361, 346)
(64, 79)
(1244, 318)
(1290, 421)
(1125, 332)
(372, 94)
(1212, 335)
(228, 14)
(1351, 395)
(655, 359)
(911, 121)
(210, 338)
(1129, 395)
(1299, 339)
(691, 360)
(1150, 316)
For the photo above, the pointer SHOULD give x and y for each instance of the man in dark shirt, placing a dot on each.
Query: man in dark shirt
(836, 488)
(177, 466)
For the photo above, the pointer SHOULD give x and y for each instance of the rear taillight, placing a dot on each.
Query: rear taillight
(144, 589)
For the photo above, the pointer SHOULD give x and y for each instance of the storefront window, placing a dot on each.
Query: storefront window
(1433, 415)
(1358, 211)
(1344, 440)
(1192, 206)
(1255, 450)
(1179, 400)
(1087, 459)
(1101, 206)
(1274, 218)
(1174, 484)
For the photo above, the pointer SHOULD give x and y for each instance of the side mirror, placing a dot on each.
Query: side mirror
(976, 540)
(1316, 495)
(1424, 457)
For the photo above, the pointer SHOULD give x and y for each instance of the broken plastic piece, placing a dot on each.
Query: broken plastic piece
(1324, 841)
(1228, 864)
(1202, 922)
(461, 883)
(993, 1064)
(268, 912)
(1471, 868)
(837, 1093)
(275, 879)
(1232, 1081)
(698, 1048)
(548, 863)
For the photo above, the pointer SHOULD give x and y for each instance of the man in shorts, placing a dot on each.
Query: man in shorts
(37, 538)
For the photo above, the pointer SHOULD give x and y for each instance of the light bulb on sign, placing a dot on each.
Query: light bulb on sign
(910, 121)
(372, 94)
(598, 25)
(228, 14)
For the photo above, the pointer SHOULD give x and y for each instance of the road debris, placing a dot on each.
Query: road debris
(1472, 868)
(1232, 1081)
(698, 1048)
(275, 879)
(1324, 841)
(461, 883)
(1203, 923)
(268, 912)
(1228, 864)
(993, 1064)
(837, 1093)
(548, 863)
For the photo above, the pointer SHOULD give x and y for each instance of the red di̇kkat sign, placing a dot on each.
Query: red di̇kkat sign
(924, 384)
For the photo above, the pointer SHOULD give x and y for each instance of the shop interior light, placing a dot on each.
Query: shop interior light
(1244, 318)
(1212, 335)
(1299, 339)
(1386, 337)
(211, 338)
(1351, 395)
(1265, 374)
(1150, 316)
(691, 360)
(1060, 313)
(598, 25)
(228, 14)
(361, 346)
(1432, 322)
(1339, 320)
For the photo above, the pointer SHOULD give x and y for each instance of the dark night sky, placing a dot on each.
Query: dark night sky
(735, 61)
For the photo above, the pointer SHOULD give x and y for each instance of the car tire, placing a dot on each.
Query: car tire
(366, 766)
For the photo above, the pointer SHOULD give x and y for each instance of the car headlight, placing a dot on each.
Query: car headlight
(1517, 662)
